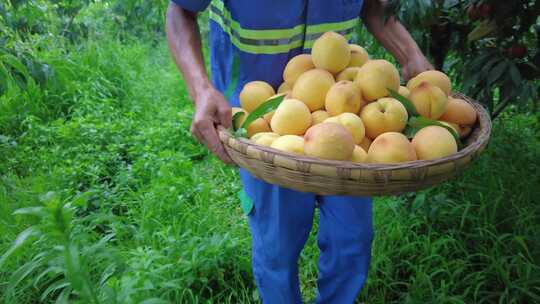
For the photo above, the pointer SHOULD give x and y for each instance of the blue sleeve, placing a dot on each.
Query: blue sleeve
(192, 5)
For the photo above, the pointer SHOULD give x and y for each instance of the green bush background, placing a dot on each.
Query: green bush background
(106, 198)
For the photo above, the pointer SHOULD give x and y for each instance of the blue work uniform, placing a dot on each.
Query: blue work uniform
(253, 40)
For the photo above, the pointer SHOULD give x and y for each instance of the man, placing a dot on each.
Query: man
(253, 40)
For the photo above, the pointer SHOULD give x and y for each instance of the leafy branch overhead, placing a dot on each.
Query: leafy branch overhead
(491, 47)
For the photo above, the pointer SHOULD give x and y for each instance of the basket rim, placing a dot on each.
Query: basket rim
(482, 129)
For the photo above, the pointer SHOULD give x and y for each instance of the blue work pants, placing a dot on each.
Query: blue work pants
(280, 223)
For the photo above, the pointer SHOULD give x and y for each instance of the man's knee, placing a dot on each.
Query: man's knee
(277, 257)
(346, 245)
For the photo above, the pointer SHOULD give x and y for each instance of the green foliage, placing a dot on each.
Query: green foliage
(77, 19)
(471, 240)
(107, 198)
(490, 48)
(130, 174)
(236, 119)
(140, 17)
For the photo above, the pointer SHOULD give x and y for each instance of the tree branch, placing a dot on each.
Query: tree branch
(70, 22)
(500, 108)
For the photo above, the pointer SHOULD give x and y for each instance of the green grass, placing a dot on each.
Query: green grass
(135, 210)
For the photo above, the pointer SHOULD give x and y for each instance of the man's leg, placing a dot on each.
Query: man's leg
(344, 239)
(280, 223)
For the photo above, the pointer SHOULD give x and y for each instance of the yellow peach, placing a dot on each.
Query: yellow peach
(297, 66)
(384, 115)
(359, 56)
(348, 74)
(258, 126)
(391, 148)
(434, 142)
(359, 155)
(460, 112)
(375, 77)
(343, 97)
(290, 144)
(312, 87)
(329, 141)
(255, 93)
(264, 138)
(284, 88)
(365, 143)
(319, 116)
(429, 100)
(331, 52)
(292, 117)
(352, 123)
(436, 78)
(403, 91)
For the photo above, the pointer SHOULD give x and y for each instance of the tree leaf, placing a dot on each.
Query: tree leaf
(470, 81)
(16, 64)
(154, 301)
(22, 273)
(486, 66)
(411, 109)
(525, 94)
(497, 72)
(417, 123)
(485, 28)
(410, 131)
(36, 211)
(18, 243)
(240, 133)
(54, 287)
(515, 75)
(483, 60)
(236, 117)
(267, 107)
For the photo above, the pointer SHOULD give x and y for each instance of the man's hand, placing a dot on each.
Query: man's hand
(395, 38)
(211, 110)
(415, 65)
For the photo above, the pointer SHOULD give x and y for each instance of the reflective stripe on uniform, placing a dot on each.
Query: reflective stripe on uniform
(345, 28)
(274, 41)
(256, 41)
(218, 7)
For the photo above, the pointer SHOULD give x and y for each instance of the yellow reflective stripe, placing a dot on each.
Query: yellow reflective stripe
(251, 48)
(334, 26)
(274, 41)
(309, 43)
(346, 28)
(258, 34)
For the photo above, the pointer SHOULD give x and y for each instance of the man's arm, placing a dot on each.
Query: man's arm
(211, 108)
(395, 38)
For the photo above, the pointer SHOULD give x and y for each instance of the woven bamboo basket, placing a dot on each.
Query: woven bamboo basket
(324, 177)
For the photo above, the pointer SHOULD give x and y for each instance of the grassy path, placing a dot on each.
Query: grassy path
(154, 218)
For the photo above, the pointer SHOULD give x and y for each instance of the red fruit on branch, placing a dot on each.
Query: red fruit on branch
(473, 12)
(518, 51)
(485, 10)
